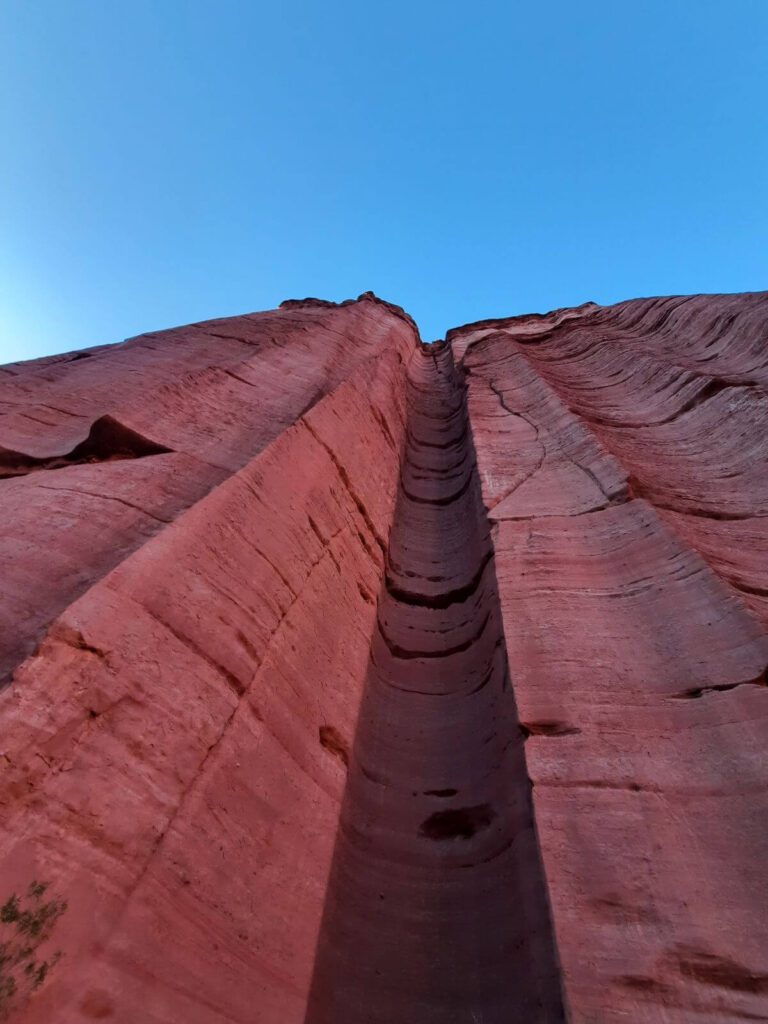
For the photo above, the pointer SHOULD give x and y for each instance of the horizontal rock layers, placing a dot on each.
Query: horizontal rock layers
(354, 680)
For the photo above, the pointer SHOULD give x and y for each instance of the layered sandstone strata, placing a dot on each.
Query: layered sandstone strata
(355, 680)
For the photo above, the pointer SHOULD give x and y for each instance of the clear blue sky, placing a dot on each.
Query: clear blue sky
(165, 161)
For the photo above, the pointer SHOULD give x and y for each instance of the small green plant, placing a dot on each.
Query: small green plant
(25, 924)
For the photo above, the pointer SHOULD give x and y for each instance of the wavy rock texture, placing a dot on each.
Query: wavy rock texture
(354, 680)
(622, 454)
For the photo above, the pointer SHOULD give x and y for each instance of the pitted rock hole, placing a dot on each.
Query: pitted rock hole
(457, 823)
(334, 743)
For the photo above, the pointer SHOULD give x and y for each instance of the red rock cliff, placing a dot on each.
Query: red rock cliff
(350, 679)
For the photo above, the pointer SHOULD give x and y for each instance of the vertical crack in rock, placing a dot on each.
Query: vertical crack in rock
(436, 908)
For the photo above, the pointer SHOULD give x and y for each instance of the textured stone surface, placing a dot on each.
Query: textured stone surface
(164, 765)
(436, 908)
(349, 680)
(212, 395)
(622, 453)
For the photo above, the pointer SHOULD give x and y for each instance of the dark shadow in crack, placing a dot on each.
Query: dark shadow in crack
(107, 441)
(436, 908)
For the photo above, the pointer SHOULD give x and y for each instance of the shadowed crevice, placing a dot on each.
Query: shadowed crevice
(436, 909)
(108, 440)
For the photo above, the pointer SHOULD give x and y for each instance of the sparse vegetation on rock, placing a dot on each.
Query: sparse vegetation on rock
(26, 923)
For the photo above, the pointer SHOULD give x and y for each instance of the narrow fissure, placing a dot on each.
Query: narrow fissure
(436, 909)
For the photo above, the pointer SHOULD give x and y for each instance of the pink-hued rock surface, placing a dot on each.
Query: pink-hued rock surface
(350, 680)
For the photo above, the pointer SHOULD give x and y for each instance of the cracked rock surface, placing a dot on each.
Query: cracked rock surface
(349, 680)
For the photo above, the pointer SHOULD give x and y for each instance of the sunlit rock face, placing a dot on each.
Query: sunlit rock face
(350, 680)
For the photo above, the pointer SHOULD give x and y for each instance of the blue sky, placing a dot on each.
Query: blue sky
(166, 161)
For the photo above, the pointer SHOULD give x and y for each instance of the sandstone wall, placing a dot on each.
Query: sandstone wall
(174, 749)
(352, 680)
(622, 453)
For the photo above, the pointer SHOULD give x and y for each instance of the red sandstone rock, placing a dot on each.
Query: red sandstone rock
(348, 684)
(631, 560)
